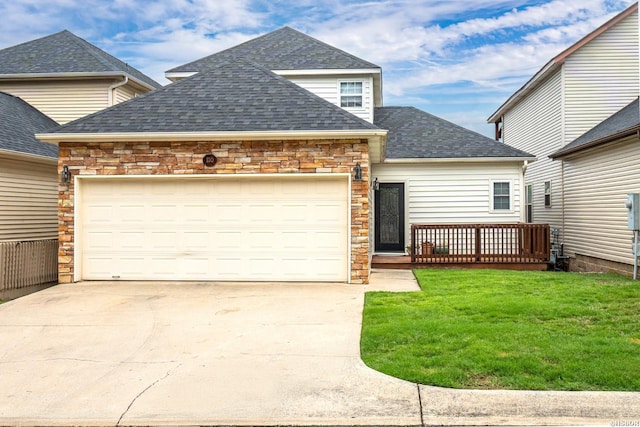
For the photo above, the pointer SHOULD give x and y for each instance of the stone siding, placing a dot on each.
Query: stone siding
(246, 157)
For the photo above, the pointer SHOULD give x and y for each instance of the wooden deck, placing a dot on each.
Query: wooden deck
(504, 246)
(404, 263)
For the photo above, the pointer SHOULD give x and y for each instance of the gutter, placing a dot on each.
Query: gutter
(55, 138)
(561, 154)
(115, 86)
(461, 160)
(28, 157)
(66, 76)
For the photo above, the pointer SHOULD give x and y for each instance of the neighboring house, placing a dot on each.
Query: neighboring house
(258, 164)
(66, 77)
(28, 191)
(550, 116)
(62, 77)
(600, 168)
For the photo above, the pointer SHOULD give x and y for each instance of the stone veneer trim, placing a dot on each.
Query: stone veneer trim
(147, 159)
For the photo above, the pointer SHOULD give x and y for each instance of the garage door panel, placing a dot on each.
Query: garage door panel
(196, 240)
(129, 213)
(130, 240)
(215, 229)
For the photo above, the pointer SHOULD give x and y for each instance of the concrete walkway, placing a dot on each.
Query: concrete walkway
(234, 354)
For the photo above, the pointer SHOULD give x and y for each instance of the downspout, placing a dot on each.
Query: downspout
(114, 87)
(562, 199)
(523, 193)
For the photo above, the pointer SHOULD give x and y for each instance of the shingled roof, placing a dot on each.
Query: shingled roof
(623, 123)
(64, 52)
(20, 121)
(414, 133)
(237, 96)
(283, 49)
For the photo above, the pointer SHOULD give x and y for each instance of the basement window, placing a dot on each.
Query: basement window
(351, 94)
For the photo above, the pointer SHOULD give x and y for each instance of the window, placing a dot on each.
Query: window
(529, 203)
(351, 94)
(501, 196)
(547, 194)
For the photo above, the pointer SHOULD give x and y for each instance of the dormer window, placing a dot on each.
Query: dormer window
(351, 94)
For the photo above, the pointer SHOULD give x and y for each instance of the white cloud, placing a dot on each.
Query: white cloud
(456, 50)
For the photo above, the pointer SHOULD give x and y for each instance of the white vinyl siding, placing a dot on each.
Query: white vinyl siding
(601, 78)
(596, 187)
(124, 93)
(63, 101)
(328, 88)
(456, 193)
(535, 126)
(28, 200)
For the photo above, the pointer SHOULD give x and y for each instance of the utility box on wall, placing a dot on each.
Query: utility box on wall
(633, 207)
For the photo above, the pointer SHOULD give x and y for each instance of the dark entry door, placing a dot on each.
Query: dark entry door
(389, 218)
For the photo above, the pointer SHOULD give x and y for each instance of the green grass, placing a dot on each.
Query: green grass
(491, 329)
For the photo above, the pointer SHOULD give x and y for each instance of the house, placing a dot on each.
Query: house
(56, 78)
(557, 115)
(262, 162)
(28, 190)
(66, 77)
(600, 169)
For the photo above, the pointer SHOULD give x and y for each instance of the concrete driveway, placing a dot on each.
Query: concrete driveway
(193, 353)
(238, 354)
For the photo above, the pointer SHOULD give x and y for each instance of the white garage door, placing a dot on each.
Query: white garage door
(262, 228)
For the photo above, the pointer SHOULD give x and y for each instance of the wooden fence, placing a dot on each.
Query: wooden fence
(27, 266)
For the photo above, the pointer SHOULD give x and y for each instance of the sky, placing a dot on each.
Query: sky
(456, 59)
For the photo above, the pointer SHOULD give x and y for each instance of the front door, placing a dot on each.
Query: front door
(389, 218)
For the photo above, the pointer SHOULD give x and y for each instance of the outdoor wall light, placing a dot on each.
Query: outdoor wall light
(358, 172)
(376, 184)
(65, 176)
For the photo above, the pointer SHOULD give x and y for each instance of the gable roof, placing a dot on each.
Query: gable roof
(64, 53)
(235, 97)
(556, 62)
(624, 123)
(20, 121)
(414, 133)
(282, 49)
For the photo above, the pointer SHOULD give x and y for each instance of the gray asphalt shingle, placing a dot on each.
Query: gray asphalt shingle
(414, 133)
(283, 49)
(20, 121)
(234, 97)
(626, 119)
(64, 52)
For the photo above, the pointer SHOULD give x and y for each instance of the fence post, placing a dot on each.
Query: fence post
(478, 246)
(413, 243)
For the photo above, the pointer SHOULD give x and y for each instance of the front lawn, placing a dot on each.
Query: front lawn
(495, 329)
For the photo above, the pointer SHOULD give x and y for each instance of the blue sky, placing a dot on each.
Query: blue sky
(457, 59)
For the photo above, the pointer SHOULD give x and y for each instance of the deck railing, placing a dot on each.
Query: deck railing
(480, 243)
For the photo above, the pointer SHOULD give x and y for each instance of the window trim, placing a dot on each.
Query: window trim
(492, 205)
(547, 194)
(340, 94)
